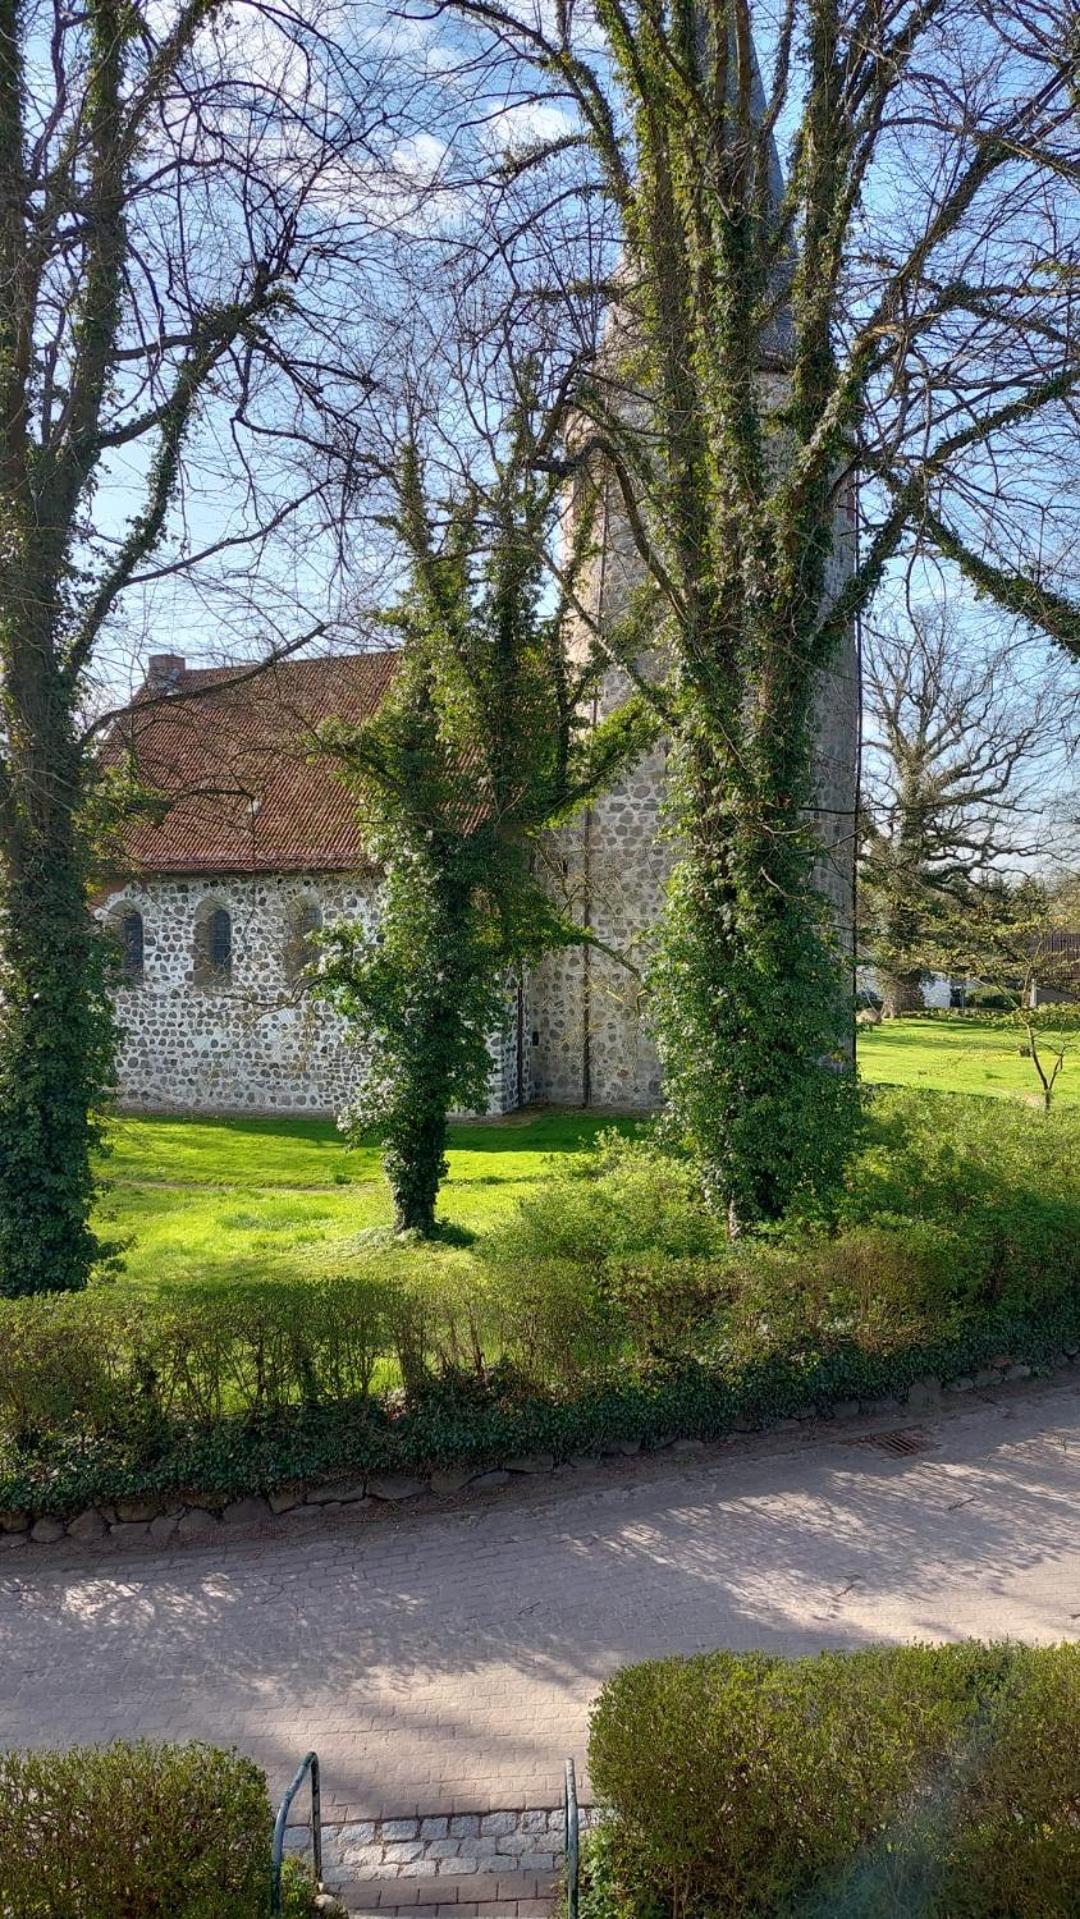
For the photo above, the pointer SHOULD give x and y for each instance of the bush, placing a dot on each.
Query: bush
(628, 1196)
(939, 1781)
(133, 1831)
(610, 1308)
(112, 1362)
(997, 1183)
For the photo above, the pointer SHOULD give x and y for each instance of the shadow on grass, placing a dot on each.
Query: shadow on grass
(382, 1239)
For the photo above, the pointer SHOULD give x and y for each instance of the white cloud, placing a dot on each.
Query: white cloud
(529, 123)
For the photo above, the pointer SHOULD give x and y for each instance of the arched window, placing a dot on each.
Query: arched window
(213, 946)
(129, 930)
(302, 947)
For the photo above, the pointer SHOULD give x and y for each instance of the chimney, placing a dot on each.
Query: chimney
(163, 671)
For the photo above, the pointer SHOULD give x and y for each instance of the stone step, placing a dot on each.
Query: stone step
(499, 1864)
(448, 1848)
(482, 1895)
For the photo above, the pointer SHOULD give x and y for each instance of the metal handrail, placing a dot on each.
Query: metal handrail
(309, 1763)
(573, 1841)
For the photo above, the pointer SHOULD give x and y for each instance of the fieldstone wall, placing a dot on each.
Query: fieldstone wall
(594, 1046)
(256, 1042)
(159, 1519)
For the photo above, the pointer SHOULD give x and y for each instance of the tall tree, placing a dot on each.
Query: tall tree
(961, 744)
(901, 309)
(480, 748)
(174, 250)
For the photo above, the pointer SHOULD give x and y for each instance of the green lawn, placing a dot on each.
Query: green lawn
(958, 1056)
(281, 1198)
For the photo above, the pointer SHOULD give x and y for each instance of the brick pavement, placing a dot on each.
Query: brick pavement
(443, 1662)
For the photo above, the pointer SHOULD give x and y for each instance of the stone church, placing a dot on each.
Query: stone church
(215, 901)
(255, 846)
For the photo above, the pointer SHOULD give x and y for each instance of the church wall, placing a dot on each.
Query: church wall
(611, 869)
(258, 1043)
(594, 1046)
(254, 1044)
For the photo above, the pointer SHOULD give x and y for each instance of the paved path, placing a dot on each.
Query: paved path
(445, 1661)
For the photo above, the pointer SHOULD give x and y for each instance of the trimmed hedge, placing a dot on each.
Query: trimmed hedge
(118, 1362)
(134, 1831)
(469, 1424)
(939, 1781)
(610, 1309)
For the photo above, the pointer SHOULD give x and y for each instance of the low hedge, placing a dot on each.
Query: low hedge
(134, 1831)
(119, 1362)
(610, 1308)
(939, 1781)
(459, 1421)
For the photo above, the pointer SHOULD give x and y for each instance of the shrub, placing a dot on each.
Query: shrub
(628, 1197)
(133, 1831)
(943, 1781)
(610, 1308)
(998, 1180)
(114, 1363)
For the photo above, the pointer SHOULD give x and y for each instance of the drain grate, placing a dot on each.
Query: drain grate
(908, 1440)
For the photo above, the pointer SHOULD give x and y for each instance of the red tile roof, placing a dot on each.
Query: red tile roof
(232, 752)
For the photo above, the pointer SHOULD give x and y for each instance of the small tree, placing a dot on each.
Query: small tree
(479, 748)
(1006, 936)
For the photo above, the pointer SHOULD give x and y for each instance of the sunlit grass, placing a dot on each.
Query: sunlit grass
(958, 1056)
(247, 1199)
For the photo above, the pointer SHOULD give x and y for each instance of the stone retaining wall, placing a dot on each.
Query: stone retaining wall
(158, 1522)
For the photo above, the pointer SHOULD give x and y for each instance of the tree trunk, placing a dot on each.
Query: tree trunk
(414, 1161)
(751, 1004)
(57, 1034)
(901, 993)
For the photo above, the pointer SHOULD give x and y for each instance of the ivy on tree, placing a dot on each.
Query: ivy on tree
(157, 271)
(480, 748)
(772, 339)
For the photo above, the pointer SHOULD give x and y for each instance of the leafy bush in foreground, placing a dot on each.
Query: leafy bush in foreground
(134, 1831)
(938, 1781)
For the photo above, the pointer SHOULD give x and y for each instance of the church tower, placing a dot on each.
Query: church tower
(591, 1044)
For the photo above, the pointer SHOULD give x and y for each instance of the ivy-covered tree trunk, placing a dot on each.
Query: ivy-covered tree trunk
(773, 338)
(428, 1068)
(749, 995)
(126, 315)
(57, 1030)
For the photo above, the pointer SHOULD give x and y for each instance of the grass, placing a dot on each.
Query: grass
(202, 1199)
(959, 1056)
(243, 1199)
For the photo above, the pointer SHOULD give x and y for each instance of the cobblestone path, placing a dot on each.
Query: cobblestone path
(443, 1662)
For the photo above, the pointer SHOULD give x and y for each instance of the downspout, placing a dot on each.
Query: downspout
(857, 815)
(521, 1101)
(586, 954)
